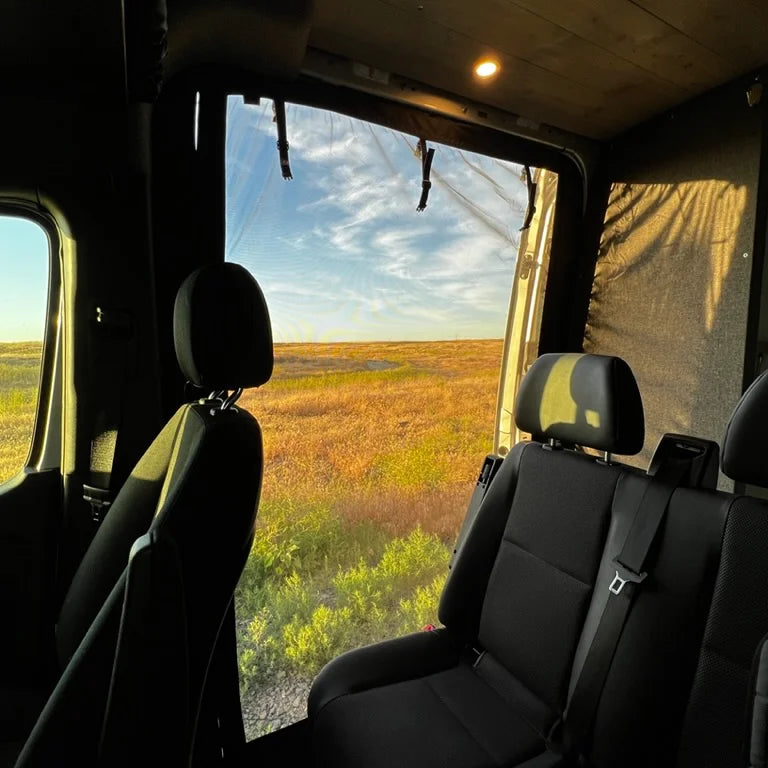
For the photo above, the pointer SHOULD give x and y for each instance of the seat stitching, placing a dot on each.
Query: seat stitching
(496, 692)
(506, 540)
(455, 716)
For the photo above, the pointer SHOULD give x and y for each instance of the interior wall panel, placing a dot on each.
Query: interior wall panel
(672, 281)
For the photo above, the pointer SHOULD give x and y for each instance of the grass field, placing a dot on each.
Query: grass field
(372, 450)
(19, 377)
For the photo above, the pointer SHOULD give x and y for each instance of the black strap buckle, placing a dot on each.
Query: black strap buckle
(427, 154)
(623, 576)
(100, 500)
(278, 107)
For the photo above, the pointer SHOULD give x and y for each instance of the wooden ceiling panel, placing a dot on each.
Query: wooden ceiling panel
(639, 36)
(736, 29)
(443, 58)
(520, 92)
(594, 67)
(504, 27)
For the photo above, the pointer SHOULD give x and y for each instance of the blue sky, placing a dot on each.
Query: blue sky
(24, 260)
(341, 252)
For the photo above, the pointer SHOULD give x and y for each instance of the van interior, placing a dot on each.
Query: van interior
(384, 383)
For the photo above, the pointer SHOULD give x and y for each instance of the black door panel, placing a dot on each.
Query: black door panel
(29, 523)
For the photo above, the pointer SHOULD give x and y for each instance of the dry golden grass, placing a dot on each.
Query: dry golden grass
(391, 433)
(19, 377)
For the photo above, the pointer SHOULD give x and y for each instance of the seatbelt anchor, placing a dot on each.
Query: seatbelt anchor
(114, 322)
(624, 575)
(100, 500)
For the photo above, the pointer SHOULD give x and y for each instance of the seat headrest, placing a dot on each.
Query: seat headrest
(587, 400)
(221, 329)
(743, 457)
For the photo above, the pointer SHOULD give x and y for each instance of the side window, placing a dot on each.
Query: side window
(389, 327)
(24, 275)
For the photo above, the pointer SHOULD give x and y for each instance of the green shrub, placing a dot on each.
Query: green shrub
(404, 564)
(420, 609)
(312, 644)
(288, 541)
(308, 595)
(372, 603)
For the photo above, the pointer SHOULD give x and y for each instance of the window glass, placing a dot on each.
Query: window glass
(24, 266)
(389, 328)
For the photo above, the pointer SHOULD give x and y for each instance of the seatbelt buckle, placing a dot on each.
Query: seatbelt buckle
(100, 500)
(623, 576)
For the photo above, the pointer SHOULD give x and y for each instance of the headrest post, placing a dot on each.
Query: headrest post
(232, 399)
(223, 400)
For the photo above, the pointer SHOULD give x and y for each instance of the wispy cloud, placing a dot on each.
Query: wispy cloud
(345, 240)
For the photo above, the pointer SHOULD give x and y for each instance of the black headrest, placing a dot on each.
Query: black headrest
(744, 457)
(221, 329)
(588, 400)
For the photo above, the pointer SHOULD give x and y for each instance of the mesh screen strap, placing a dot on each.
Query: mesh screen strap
(427, 154)
(531, 209)
(282, 139)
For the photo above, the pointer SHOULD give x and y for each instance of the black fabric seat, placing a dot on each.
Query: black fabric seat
(527, 590)
(135, 635)
(643, 703)
(719, 713)
(519, 592)
(464, 704)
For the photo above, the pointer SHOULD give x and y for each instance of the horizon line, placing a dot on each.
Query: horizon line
(335, 341)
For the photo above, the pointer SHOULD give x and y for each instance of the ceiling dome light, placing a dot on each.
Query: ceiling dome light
(486, 68)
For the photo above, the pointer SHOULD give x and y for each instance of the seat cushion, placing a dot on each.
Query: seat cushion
(453, 717)
(541, 584)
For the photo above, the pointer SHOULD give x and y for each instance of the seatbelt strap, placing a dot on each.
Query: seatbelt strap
(220, 730)
(147, 704)
(427, 154)
(112, 331)
(282, 138)
(629, 575)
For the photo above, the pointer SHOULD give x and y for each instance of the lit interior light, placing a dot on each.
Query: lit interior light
(486, 68)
